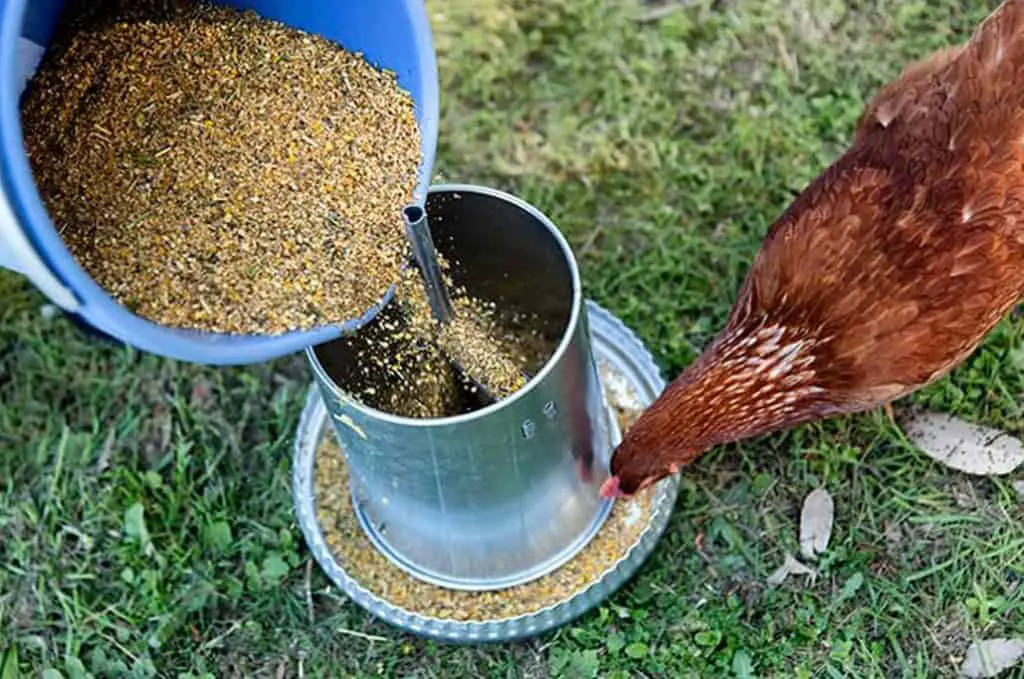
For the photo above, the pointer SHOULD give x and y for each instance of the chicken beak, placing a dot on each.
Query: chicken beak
(610, 489)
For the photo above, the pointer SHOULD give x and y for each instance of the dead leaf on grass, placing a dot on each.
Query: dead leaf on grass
(989, 658)
(1019, 487)
(816, 523)
(966, 447)
(790, 567)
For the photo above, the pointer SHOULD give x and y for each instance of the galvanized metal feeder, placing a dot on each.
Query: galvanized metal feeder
(500, 496)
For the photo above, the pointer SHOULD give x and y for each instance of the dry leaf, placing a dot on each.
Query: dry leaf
(966, 447)
(790, 567)
(1019, 487)
(989, 658)
(816, 523)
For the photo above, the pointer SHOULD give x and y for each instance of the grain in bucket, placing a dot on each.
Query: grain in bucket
(393, 34)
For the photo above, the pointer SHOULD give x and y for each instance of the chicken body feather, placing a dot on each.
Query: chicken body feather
(886, 271)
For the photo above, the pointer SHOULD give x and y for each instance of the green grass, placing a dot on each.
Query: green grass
(146, 526)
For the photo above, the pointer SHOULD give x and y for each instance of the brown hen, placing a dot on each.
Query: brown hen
(883, 275)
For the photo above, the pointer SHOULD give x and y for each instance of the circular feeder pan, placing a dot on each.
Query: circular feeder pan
(631, 380)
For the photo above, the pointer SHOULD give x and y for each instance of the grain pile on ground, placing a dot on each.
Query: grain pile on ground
(372, 570)
(218, 171)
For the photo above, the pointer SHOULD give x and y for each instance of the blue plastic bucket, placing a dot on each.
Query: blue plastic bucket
(391, 34)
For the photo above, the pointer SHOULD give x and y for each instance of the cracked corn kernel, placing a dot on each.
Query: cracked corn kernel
(361, 560)
(217, 171)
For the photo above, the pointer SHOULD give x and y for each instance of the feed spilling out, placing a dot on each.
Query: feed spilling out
(402, 362)
(473, 346)
(218, 171)
(473, 349)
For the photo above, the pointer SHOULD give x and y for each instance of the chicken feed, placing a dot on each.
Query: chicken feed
(218, 171)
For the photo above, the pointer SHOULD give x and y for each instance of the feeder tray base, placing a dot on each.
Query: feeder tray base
(630, 379)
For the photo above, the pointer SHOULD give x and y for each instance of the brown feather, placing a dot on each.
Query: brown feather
(883, 274)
